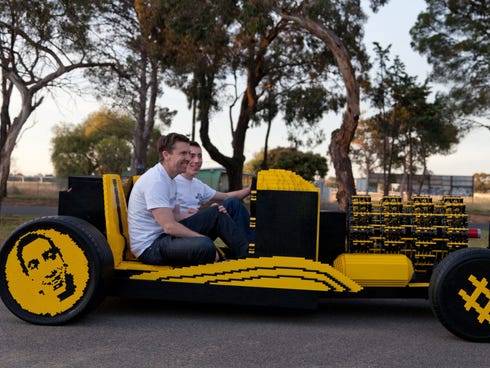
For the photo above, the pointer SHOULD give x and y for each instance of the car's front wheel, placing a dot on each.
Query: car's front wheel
(53, 269)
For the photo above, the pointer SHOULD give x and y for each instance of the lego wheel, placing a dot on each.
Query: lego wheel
(459, 293)
(54, 269)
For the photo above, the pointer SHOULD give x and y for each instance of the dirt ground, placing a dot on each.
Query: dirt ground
(478, 219)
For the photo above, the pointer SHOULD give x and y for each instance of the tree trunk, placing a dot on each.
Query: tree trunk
(390, 167)
(255, 73)
(339, 152)
(341, 138)
(8, 142)
(4, 126)
(385, 166)
(144, 111)
(233, 167)
(410, 167)
(4, 175)
(422, 180)
(264, 164)
(424, 174)
(367, 182)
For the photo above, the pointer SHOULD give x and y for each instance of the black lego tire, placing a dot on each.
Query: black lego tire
(459, 293)
(54, 269)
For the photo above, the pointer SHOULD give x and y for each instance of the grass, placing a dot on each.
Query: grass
(479, 205)
(36, 201)
(9, 223)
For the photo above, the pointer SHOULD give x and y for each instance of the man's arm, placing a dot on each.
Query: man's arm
(166, 219)
(240, 194)
(179, 216)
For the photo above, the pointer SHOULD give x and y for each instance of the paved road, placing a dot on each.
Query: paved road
(27, 210)
(342, 333)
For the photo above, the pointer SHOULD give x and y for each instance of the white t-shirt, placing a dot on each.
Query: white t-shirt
(154, 189)
(192, 193)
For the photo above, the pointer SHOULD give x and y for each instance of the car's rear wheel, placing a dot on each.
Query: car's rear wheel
(459, 293)
(54, 269)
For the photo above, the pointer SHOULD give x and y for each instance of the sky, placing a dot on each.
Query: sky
(389, 26)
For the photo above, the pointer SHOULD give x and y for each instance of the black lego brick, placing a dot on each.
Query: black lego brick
(84, 199)
(286, 223)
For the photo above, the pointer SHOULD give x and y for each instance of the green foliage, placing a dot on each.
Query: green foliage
(304, 107)
(65, 25)
(99, 145)
(112, 155)
(306, 164)
(72, 152)
(454, 37)
(105, 122)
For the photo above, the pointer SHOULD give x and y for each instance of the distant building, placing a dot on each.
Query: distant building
(424, 185)
(217, 179)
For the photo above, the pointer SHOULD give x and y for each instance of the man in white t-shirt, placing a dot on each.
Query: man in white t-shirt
(192, 194)
(159, 233)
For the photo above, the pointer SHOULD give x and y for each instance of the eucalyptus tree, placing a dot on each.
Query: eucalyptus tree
(455, 37)
(338, 24)
(260, 46)
(136, 82)
(41, 42)
(380, 98)
(408, 127)
(426, 128)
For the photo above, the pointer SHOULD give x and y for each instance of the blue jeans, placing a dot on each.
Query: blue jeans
(239, 213)
(169, 250)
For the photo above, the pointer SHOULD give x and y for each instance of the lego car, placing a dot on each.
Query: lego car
(57, 268)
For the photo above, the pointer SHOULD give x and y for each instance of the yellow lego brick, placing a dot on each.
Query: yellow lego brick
(278, 179)
(383, 270)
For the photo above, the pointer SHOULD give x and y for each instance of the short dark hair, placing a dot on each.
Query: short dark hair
(167, 142)
(28, 239)
(194, 144)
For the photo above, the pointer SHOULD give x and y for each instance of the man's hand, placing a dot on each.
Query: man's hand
(220, 207)
(191, 211)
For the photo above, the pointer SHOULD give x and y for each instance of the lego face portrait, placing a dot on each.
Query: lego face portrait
(42, 261)
(47, 272)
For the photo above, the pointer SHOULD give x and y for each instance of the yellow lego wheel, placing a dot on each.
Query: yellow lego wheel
(459, 293)
(53, 269)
